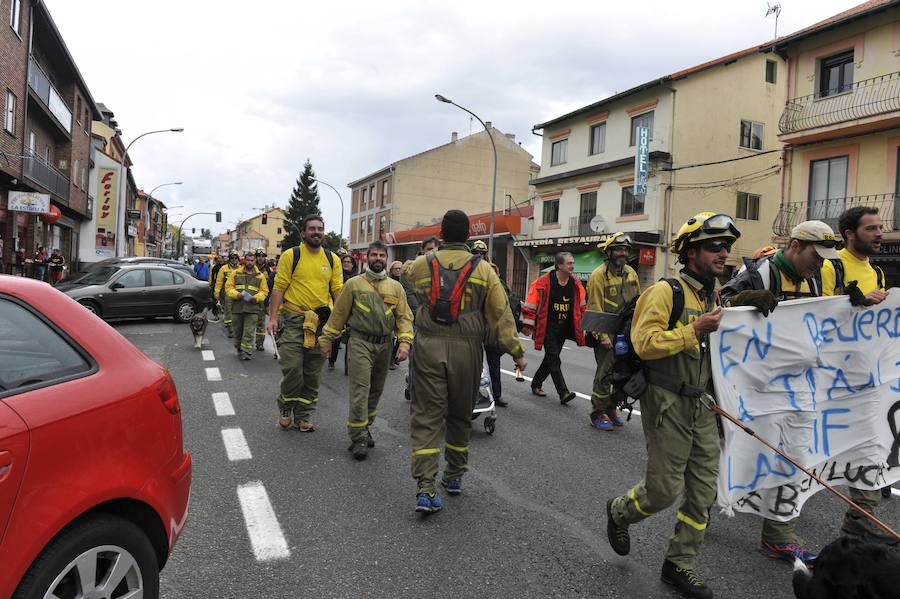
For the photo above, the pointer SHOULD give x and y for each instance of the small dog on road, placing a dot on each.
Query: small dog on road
(198, 328)
(850, 568)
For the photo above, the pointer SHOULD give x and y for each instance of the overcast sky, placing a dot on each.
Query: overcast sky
(261, 86)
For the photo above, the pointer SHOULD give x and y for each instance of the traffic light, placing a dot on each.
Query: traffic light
(193, 230)
(218, 217)
(265, 219)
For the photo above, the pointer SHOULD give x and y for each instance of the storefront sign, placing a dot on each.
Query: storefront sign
(108, 187)
(132, 231)
(641, 161)
(889, 249)
(647, 256)
(134, 215)
(27, 201)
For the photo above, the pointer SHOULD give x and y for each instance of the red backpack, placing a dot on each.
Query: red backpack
(447, 288)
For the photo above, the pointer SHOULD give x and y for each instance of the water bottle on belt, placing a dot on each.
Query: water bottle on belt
(621, 346)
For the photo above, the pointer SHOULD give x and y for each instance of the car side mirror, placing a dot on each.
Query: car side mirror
(115, 286)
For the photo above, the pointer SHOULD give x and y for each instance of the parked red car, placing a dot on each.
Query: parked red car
(94, 478)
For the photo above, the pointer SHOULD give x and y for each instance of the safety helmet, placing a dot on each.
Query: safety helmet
(617, 239)
(342, 253)
(260, 252)
(764, 252)
(234, 254)
(706, 225)
(479, 247)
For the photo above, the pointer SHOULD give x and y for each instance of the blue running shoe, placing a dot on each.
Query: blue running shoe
(603, 423)
(615, 418)
(428, 504)
(787, 551)
(453, 485)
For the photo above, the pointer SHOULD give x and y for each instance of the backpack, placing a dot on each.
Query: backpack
(839, 274)
(296, 255)
(447, 288)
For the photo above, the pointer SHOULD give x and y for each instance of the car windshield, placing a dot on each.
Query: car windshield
(97, 276)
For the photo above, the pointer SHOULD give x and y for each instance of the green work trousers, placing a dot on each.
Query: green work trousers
(780, 533)
(445, 379)
(243, 324)
(226, 303)
(261, 326)
(300, 369)
(856, 524)
(682, 459)
(603, 397)
(367, 366)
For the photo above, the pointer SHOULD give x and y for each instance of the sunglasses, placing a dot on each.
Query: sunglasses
(714, 247)
(827, 243)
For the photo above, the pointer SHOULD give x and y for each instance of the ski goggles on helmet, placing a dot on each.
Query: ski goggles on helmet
(719, 224)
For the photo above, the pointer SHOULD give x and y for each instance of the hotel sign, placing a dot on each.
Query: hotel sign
(642, 161)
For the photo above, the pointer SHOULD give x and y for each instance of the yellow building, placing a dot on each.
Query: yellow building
(841, 122)
(712, 147)
(265, 230)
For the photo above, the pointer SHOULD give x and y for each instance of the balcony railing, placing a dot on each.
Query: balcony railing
(870, 97)
(40, 83)
(580, 225)
(830, 210)
(44, 174)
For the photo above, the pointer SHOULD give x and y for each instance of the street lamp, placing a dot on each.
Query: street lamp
(441, 98)
(342, 205)
(120, 237)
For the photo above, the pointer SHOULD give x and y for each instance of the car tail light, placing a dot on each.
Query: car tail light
(168, 395)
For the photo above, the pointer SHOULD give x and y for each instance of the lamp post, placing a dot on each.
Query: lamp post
(122, 185)
(150, 197)
(445, 100)
(342, 206)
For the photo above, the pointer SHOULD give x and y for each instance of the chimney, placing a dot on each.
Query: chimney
(487, 124)
(454, 136)
(511, 136)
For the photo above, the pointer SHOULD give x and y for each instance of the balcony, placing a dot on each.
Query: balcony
(45, 175)
(43, 89)
(829, 210)
(580, 225)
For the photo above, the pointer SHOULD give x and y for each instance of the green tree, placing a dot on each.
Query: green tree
(304, 201)
(334, 241)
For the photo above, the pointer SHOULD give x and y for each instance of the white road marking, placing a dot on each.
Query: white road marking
(895, 492)
(208, 355)
(213, 374)
(262, 525)
(223, 404)
(577, 394)
(235, 444)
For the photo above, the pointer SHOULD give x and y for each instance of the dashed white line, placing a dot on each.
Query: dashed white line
(208, 355)
(235, 444)
(262, 526)
(223, 404)
(213, 374)
(577, 394)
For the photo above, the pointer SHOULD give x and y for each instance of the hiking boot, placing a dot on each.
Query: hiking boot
(566, 397)
(539, 392)
(454, 486)
(618, 536)
(500, 402)
(370, 442)
(260, 348)
(245, 355)
(359, 448)
(615, 419)
(886, 492)
(786, 551)
(685, 581)
(428, 503)
(603, 423)
(286, 418)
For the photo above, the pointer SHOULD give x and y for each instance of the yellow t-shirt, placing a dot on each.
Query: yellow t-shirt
(313, 283)
(854, 270)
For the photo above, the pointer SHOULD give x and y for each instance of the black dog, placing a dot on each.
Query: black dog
(850, 568)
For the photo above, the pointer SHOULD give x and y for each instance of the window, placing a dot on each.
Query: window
(15, 16)
(827, 189)
(836, 74)
(382, 224)
(32, 142)
(630, 204)
(372, 196)
(78, 109)
(31, 352)
(10, 123)
(278, 230)
(179, 280)
(362, 227)
(384, 193)
(588, 206)
(751, 135)
(363, 201)
(771, 70)
(747, 206)
(76, 172)
(558, 152)
(161, 278)
(371, 224)
(598, 139)
(642, 120)
(551, 212)
(133, 279)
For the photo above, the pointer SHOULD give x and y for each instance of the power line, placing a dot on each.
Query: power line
(678, 168)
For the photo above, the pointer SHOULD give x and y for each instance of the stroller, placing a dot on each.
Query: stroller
(484, 402)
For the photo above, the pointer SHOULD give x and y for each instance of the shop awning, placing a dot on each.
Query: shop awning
(585, 262)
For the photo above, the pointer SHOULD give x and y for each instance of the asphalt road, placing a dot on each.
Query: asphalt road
(292, 515)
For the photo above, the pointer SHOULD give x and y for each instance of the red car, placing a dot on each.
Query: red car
(94, 478)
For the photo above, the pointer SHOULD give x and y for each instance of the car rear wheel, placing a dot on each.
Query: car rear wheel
(91, 306)
(185, 310)
(104, 556)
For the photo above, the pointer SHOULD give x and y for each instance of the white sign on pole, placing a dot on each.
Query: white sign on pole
(28, 201)
(818, 378)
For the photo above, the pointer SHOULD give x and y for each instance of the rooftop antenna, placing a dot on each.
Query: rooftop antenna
(774, 9)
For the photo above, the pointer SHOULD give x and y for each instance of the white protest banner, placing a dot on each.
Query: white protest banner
(820, 380)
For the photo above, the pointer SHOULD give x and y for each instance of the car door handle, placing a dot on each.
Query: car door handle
(6, 462)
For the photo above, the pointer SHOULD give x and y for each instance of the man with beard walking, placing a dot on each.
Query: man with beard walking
(308, 276)
(373, 308)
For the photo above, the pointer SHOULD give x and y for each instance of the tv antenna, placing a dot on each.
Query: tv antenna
(774, 9)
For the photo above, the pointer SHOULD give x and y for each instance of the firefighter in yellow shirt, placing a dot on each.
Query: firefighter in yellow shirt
(307, 279)
(233, 266)
(373, 308)
(247, 289)
(853, 275)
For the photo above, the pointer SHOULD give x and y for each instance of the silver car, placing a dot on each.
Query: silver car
(114, 291)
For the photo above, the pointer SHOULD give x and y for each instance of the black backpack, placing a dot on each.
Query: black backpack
(839, 275)
(447, 288)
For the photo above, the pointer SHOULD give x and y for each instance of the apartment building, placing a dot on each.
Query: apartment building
(149, 225)
(841, 122)
(46, 144)
(712, 145)
(265, 230)
(416, 191)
